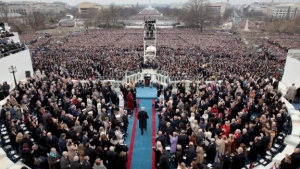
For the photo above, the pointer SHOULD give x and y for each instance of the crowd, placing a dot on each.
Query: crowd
(107, 54)
(226, 124)
(56, 123)
(286, 42)
(8, 46)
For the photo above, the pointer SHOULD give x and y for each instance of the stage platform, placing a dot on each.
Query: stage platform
(146, 93)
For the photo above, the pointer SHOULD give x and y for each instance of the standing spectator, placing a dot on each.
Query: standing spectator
(72, 148)
(125, 122)
(99, 164)
(291, 93)
(130, 103)
(122, 160)
(164, 162)
(200, 155)
(112, 158)
(53, 159)
(226, 161)
(157, 151)
(51, 141)
(226, 128)
(238, 161)
(142, 117)
(265, 140)
(173, 141)
(254, 151)
(26, 155)
(86, 163)
(191, 153)
(228, 143)
(64, 161)
(211, 151)
(62, 143)
(38, 151)
(121, 100)
(90, 152)
(219, 164)
(75, 163)
(220, 147)
(182, 139)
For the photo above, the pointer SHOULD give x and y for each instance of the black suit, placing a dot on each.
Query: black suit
(76, 165)
(264, 144)
(226, 162)
(252, 156)
(162, 126)
(143, 116)
(112, 158)
(164, 162)
(162, 139)
(295, 160)
(238, 161)
(211, 153)
(52, 142)
(183, 141)
(41, 151)
(86, 165)
(91, 153)
(120, 148)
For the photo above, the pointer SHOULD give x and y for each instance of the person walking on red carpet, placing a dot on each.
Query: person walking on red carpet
(143, 116)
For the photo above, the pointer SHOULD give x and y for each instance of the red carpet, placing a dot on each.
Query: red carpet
(132, 136)
(153, 133)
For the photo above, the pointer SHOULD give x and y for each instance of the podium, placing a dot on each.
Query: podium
(147, 78)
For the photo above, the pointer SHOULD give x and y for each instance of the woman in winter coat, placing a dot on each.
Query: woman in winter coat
(54, 159)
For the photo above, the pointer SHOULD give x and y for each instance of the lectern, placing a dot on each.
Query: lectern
(147, 78)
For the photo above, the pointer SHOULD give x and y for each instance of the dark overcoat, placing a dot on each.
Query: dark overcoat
(143, 116)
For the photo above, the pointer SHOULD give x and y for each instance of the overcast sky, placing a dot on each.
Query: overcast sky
(75, 2)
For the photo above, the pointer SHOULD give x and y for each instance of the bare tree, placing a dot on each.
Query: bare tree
(4, 10)
(113, 13)
(199, 13)
(36, 20)
(91, 18)
(110, 16)
(282, 27)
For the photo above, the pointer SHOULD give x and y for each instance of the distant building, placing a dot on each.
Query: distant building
(219, 7)
(26, 7)
(286, 10)
(84, 7)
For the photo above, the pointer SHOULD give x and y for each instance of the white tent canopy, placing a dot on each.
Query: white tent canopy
(151, 49)
(292, 68)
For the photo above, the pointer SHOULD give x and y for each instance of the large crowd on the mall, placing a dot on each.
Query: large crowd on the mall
(109, 54)
(61, 122)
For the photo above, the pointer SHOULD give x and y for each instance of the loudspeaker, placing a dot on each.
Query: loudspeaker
(27, 74)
